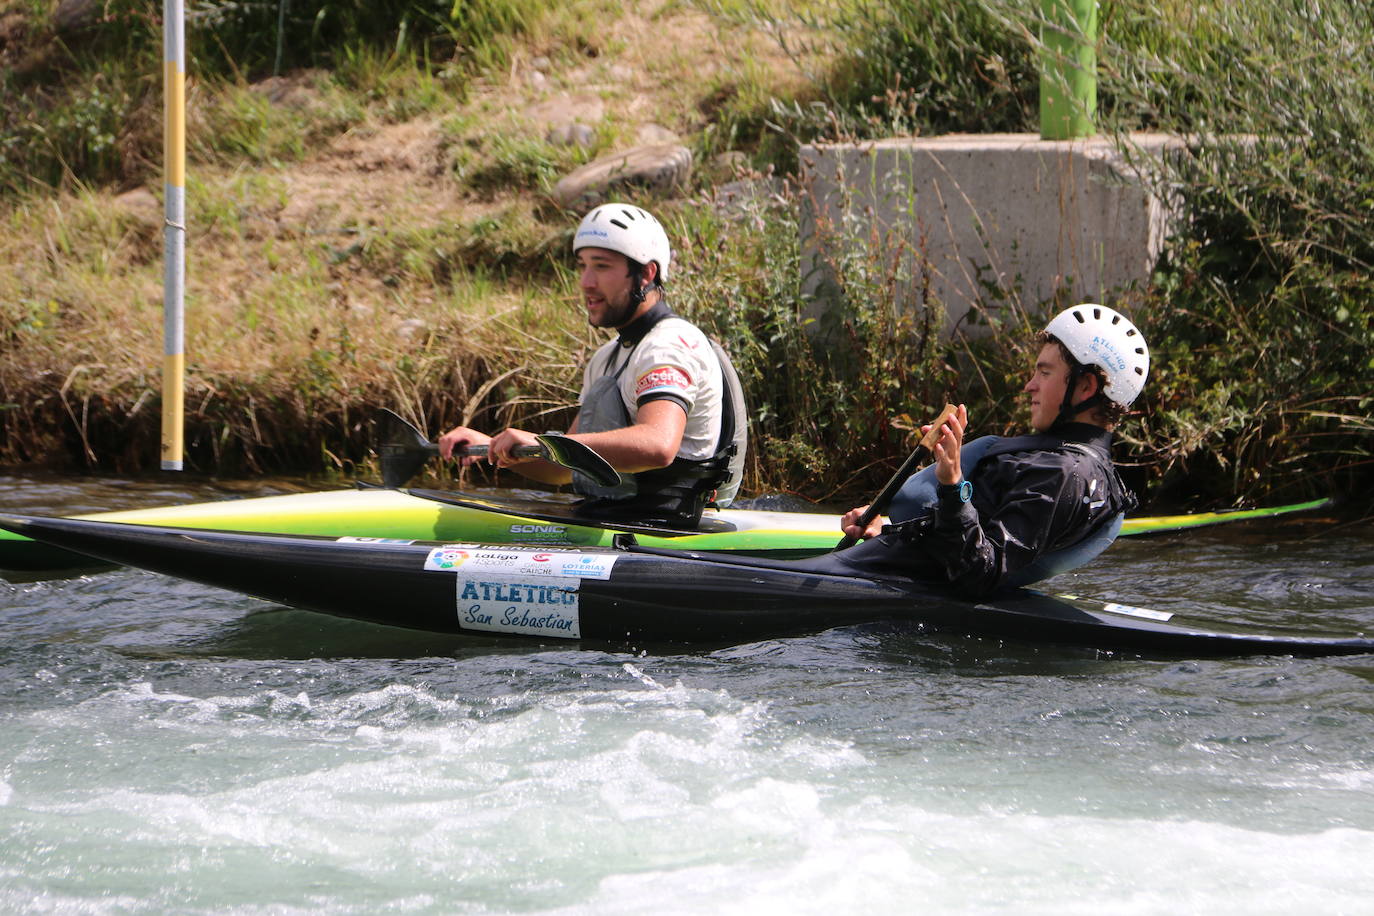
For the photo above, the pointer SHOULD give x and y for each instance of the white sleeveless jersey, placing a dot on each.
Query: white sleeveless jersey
(674, 360)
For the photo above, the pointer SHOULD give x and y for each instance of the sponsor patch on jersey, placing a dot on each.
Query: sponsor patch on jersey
(474, 560)
(661, 378)
(525, 606)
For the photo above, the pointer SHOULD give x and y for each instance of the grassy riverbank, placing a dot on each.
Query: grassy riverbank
(372, 226)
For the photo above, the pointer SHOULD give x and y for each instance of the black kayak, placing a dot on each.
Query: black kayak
(628, 594)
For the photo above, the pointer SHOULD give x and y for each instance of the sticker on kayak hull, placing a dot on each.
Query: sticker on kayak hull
(1127, 610)
(1132, 611)
(527, 607)
(472, 559)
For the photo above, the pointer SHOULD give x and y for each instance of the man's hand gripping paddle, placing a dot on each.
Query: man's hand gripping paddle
(404, 450)
(884, 499)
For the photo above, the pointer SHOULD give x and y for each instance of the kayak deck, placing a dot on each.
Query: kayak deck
(431, 515)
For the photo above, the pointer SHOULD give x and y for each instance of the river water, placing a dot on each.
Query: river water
(166, 747)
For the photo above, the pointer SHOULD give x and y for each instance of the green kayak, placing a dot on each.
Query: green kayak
(455, 516)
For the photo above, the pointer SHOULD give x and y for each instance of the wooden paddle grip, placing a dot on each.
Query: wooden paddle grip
(932, 437)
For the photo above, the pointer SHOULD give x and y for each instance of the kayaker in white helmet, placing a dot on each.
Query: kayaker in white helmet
(1000, 512)
(660, 402)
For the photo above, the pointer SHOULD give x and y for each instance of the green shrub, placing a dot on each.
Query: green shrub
(1265, 298)
(253, 37)
(1260, 314)
(87, 108)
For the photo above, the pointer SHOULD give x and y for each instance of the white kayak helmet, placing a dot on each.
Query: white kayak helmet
(629, 230)
(1102, 337)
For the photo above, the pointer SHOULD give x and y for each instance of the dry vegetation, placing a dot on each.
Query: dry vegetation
(381, 237)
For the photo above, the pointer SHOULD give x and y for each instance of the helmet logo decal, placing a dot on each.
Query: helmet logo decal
(1103, 348)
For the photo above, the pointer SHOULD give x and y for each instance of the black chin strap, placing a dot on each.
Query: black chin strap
(1069, 410)
(641, 289)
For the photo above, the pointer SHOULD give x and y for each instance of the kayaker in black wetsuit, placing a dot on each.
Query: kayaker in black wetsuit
(1002, 512)
(660, 402)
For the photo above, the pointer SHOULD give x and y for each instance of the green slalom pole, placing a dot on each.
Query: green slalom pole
(1068, 69)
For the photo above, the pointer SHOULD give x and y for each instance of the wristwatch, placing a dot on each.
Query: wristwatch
(947, 492)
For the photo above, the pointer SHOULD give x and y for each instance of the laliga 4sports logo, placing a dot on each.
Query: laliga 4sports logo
(447, 558)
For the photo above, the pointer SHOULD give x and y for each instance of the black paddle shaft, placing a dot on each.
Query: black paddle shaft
(884, 498)
(404, 450)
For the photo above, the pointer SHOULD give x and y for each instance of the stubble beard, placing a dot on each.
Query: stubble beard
(614, 315)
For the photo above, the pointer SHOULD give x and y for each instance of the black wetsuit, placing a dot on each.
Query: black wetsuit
(1032, 496)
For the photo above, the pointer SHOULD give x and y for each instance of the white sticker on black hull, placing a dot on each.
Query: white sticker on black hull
(499, 604)
(516, 562)
(1132, 611)
(1128, 610)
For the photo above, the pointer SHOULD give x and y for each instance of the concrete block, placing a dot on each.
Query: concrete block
(988, 220)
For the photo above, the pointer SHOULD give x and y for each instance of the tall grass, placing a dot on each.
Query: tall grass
(827, 416)
(1266, 295)
(295, 336)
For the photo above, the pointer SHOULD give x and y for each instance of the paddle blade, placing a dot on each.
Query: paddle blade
(403, 449)
(576, 456)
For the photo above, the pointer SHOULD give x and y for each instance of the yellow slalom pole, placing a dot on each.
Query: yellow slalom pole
(174, 234)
